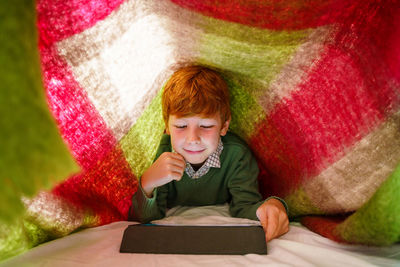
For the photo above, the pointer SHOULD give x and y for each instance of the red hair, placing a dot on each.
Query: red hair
(195, 90)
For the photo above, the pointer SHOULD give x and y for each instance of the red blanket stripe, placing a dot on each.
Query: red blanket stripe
(60, 19)
(106, 188)
(325, 226)
(327, 116)
(81, 127)
(291, 14)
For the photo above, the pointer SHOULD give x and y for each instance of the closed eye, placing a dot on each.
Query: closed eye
(207, 126)
(180, 126)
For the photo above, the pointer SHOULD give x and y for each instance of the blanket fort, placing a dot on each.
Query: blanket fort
(315, 92)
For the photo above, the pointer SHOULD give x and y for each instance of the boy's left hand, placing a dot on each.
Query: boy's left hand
(273, 218)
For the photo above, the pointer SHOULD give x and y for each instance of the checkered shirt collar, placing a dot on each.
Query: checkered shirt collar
(212, 161)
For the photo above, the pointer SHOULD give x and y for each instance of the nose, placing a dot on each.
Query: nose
(193, 136)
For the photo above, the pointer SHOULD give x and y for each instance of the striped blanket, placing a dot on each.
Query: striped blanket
(315, 92)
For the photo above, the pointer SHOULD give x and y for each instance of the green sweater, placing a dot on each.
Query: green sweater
(235, 182)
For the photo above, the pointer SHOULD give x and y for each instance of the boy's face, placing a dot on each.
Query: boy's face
(196, 137)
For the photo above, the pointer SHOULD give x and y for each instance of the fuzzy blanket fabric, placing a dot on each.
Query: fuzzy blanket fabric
(315, 92)
(33, 155)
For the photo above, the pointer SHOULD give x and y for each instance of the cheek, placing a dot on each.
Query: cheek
(211, 137)
(176, 137)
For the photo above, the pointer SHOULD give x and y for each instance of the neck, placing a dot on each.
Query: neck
(196, 166)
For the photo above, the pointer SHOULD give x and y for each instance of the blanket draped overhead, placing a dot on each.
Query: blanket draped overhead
(315, 92)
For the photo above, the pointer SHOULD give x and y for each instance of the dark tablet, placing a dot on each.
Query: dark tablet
(220, 240)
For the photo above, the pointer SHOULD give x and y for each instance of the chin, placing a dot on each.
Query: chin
(195, 161)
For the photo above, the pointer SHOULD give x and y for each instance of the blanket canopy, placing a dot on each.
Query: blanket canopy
(315, 92)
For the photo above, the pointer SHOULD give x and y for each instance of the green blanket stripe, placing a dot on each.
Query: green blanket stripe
(13, 239)
(21, 236)
(34, 155)
(377, 222)
(27, 233)
(141, 142)
(36, 234)
(242, 49)
(246, 112)
(299, 204)
(251, 35)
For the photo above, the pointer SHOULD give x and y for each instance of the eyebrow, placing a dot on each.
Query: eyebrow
(183, 119)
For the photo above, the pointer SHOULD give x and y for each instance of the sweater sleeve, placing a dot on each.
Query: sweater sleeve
(243, 186)
(145, 209)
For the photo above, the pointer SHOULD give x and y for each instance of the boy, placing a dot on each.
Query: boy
(199, 162)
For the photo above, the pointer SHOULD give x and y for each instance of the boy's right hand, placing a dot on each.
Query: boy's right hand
(168, 167)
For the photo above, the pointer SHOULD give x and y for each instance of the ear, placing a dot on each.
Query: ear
(225, 127)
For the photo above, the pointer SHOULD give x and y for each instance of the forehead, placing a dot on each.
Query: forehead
(215, 116)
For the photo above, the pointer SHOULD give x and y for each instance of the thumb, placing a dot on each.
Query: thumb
(262, 216)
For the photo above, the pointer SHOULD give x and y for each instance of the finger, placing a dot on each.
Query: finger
(177, 156)
(285, 226)
(178, 164)
(177, 160)
(175, 171)
(272, 227)
(176, 176)
(171, 156)
(264, 224)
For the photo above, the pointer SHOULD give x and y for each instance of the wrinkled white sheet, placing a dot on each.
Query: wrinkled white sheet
(99, 246)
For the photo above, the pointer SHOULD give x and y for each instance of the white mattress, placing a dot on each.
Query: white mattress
(99, 246)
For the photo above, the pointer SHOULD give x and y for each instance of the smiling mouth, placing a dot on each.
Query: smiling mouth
(193, 151)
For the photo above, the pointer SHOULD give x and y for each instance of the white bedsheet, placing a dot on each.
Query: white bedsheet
(99, 246)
